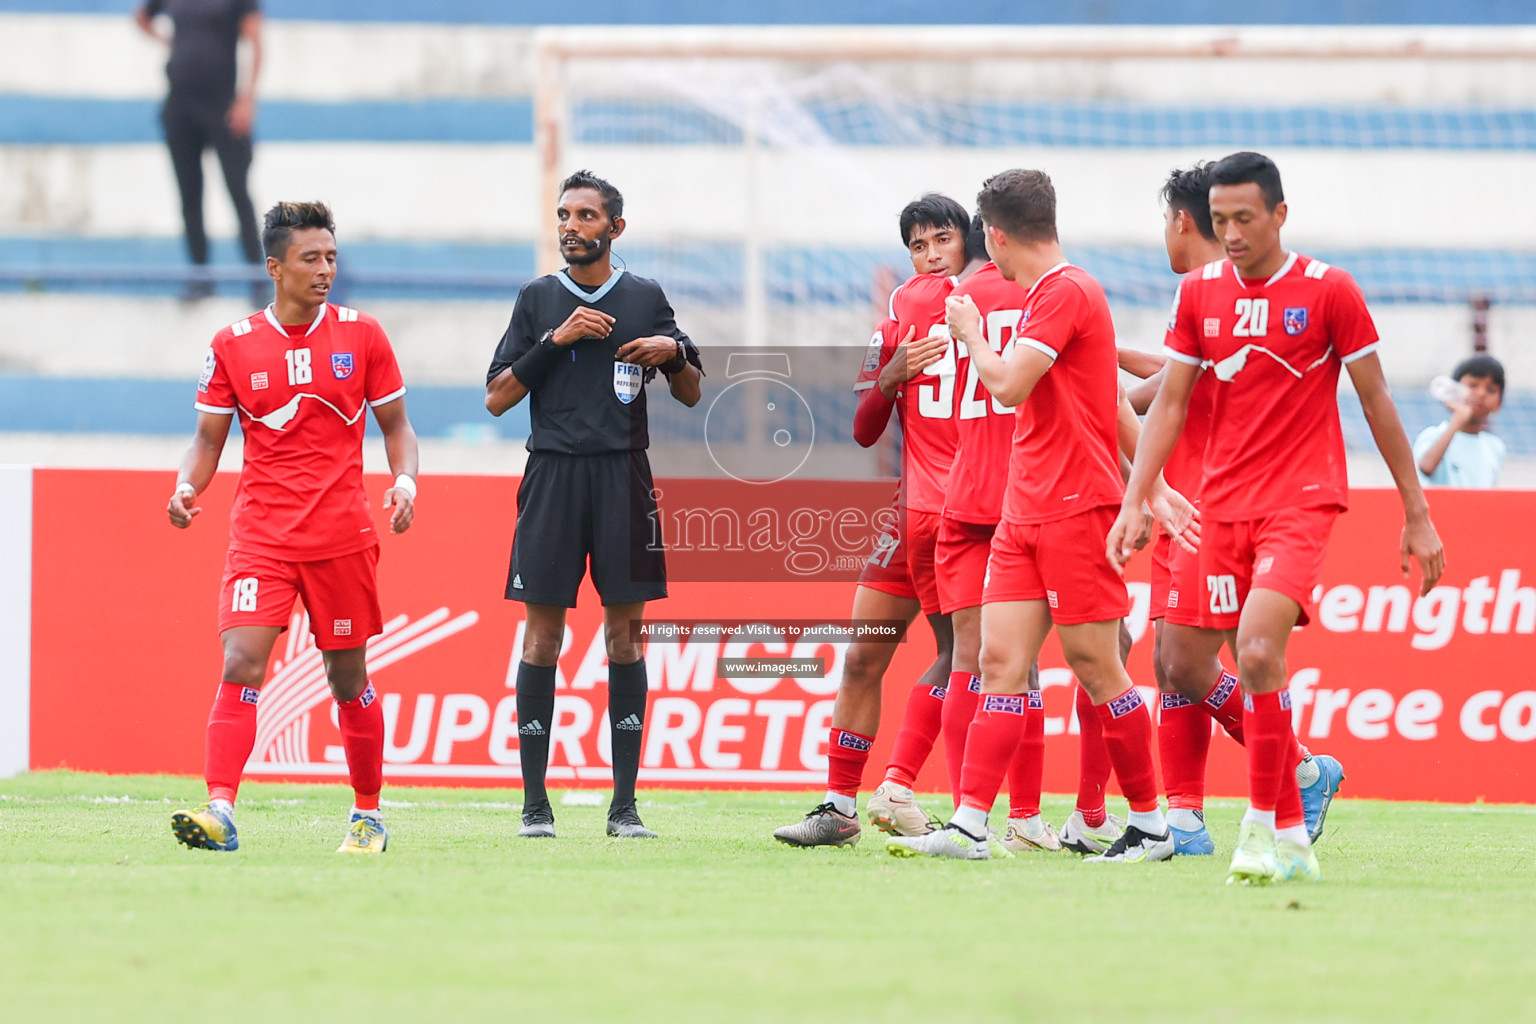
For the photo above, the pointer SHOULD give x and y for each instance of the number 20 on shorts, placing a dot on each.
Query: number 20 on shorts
(1223, 591)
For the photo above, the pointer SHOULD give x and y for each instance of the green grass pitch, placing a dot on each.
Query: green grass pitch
(1427, 913)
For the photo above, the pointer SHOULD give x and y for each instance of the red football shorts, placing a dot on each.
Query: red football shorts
(902, 563)
(1282, 551)
(1176, 593)
(1062, 563)
(340, 594)
(961, 560)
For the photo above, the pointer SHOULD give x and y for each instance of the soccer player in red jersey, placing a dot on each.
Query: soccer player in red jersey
(909, 367)
(301, 375)
(1274, 328)
(1195, 687)
(1063, 485)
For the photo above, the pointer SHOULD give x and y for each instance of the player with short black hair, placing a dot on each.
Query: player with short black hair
(301, 374)
(1195, 687)
(583, 343)
(1274, 328)
(1063, 483)
(909, 367)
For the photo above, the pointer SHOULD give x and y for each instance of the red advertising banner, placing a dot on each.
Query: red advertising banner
(1421, 698)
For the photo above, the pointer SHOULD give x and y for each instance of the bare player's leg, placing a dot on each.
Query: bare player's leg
(893, 807)
(230, 738)
(1093, 650)
(855, 718)
(543, 636)
(1274, 812)
(628, 690)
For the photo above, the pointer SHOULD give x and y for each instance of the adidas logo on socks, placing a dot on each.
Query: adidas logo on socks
(533, 728)
(631, 723)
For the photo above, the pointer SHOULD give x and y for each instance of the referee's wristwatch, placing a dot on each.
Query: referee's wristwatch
(677, 362)
(547, 339)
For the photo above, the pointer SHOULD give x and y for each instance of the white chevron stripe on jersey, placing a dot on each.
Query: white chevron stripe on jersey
(240, 327)
(278, 419)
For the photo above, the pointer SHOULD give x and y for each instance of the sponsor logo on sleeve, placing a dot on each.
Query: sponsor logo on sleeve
(210, 362)
(341, 365)
(1295, 319)
(872, 354)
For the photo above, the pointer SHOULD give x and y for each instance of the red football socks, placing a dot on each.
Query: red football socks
(847, 753)
(1127, 729)
(1225, 704)
(989, 748)
(1272, 756)
(959, 710)
(919, 728)
(1092, 762)
(231, 735)
(1026, 773)
(362, 736)
(1183, 742)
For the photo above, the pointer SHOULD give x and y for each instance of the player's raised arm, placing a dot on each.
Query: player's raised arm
(400, 446)
(1420, 539)
(197, 467)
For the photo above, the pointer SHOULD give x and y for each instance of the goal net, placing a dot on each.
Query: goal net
(764, 169)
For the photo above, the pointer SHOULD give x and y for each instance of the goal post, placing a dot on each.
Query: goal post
(764, 167)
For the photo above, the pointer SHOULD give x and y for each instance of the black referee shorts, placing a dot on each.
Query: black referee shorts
(572, 508)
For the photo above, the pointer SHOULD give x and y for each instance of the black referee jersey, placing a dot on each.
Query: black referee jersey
(587, 494)
(587, 401)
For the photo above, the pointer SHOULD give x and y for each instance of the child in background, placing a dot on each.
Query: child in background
(1462, 451)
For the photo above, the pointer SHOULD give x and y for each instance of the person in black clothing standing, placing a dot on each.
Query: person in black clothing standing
(205, 108)
(583, 343)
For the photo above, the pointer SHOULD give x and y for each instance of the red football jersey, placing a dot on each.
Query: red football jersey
(980, 472)
(1066, 450)
(302, 394)
(925, 406)
(1274, 349)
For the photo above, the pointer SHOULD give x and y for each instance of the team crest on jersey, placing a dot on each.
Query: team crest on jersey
(259, 381)
(341, 364)
(626, 381)
(210, 363)
(1295, 319)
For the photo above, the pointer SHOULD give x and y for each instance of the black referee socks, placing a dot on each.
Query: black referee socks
(627, 692)
(535, 716)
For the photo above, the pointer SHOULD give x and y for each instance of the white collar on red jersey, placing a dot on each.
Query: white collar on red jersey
(1063, 265)
(272, 319)
(1285, 268)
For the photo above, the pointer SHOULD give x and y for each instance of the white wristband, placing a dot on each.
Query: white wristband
(405, 483)
(184, 486)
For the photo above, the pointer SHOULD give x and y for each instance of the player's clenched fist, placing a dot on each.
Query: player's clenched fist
(584, 322)
(963, 317)
(182, 506)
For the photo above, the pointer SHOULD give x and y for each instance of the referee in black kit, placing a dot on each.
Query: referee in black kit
(584, 342)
